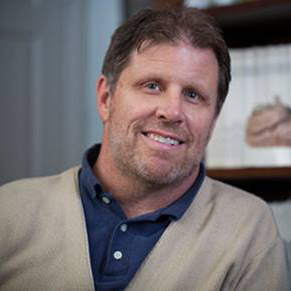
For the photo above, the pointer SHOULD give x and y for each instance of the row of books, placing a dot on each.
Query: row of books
(259, 76)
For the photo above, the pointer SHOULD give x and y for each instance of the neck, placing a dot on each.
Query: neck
(135, 197)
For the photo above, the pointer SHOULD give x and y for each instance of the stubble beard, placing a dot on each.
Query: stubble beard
(144, 170)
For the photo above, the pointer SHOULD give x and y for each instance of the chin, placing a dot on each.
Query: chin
(163, 174)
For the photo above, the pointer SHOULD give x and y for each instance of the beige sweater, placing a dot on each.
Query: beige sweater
(226, 240)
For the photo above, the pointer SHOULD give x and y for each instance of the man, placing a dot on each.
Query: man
(140, 213)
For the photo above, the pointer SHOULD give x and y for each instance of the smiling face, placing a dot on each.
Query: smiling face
(160, 116)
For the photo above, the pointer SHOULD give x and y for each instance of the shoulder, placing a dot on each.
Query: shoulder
(26, 205)
(234, 199)
(238, 215)
(37, 182)
(247, 230)
(236, 206)
(21, 193)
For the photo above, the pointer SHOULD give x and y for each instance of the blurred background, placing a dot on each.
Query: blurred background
(51, 54)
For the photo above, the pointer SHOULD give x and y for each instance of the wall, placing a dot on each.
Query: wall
(50, 58)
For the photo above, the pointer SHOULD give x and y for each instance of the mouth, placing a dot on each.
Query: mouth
(163, 139)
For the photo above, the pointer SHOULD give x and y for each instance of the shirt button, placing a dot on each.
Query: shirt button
(106, 200)
(117, 255)
(123, 227)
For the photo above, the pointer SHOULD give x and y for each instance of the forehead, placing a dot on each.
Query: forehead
(170, 53)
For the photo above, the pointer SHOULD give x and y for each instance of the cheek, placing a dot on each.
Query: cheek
(200, 125)
(139, 111)
(127, 117)
(119, 111)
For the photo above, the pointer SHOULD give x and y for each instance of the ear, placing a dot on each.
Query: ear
(103, 97)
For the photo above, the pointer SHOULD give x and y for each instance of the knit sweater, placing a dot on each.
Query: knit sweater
(226, 240)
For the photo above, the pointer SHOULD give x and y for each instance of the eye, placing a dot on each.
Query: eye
(192, 95)
(152, 86)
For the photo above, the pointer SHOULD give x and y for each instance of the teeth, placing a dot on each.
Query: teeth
(162, 139)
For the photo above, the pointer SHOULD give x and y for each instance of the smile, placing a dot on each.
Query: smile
(163, 139)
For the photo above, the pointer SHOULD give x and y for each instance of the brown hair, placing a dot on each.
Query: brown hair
(167, 26)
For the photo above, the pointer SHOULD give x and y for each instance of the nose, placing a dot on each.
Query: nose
(170, 108)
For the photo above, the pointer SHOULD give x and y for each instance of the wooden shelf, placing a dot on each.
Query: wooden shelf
(251, 173)
(271, 184)
(251, 23)
(256, 23)
(257, 8)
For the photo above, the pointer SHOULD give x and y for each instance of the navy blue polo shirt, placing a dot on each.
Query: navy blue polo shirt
(118, 245)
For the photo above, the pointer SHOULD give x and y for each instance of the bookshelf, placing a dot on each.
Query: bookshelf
(247, 24)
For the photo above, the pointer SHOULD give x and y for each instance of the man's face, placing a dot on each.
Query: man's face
(162, 112)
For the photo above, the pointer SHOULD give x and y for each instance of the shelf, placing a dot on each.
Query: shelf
(251, 173)
(271, 184)
(258, 22)
(251, 9)
(251, 23)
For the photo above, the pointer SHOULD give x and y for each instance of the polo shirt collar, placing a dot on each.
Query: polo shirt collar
(175, 210)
